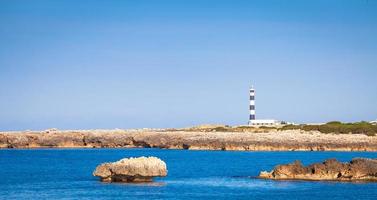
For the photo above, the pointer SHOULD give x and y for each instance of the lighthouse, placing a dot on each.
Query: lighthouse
(259, 122)
(252, 105)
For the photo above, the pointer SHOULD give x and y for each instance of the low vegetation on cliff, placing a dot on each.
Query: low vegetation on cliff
(337, 127)
(226, 128)
(330, 127)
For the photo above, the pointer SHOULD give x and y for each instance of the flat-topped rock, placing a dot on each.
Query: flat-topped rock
(141, 169)
(359, 169)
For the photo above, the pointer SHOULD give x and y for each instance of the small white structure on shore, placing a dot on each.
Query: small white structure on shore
(259, 122)
(373, 122)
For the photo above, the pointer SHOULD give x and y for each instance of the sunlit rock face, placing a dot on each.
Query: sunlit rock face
(141, 169)
(359, 169)
(192, 139)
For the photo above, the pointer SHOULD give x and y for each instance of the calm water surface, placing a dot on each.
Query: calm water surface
(67, 174)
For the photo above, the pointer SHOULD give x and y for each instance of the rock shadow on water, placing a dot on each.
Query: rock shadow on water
(232, 182)
(326, 182)
(137, 184)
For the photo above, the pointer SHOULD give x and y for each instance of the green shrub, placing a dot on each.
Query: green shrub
(334, 123)
(290, 127)
(338, 128)
(220, 129)
(267, 127)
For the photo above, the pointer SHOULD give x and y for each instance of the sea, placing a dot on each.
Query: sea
(67, 174)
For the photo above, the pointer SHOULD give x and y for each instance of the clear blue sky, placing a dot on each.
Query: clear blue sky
(157, 63)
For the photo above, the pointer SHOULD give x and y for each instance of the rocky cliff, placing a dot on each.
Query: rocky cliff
(289, 140)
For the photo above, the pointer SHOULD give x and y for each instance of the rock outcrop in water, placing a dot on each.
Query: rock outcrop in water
(359, 169)
(195, 139)
(141, 169)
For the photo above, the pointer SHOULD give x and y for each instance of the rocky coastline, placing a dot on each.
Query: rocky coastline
(359, 169)
(271, 140)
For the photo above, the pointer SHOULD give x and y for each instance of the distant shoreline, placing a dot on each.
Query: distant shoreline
(193, 139)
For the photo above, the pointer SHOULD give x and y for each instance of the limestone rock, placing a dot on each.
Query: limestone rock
(3, 141)
(205, 139)
(141, 169)
(359, 169)
(108, 139)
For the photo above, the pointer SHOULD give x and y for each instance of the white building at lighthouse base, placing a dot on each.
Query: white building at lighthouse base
(266, 122)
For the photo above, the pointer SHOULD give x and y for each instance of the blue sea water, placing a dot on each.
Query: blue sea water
(67, 174)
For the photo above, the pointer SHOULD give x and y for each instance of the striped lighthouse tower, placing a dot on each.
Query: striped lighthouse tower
(252, 106)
